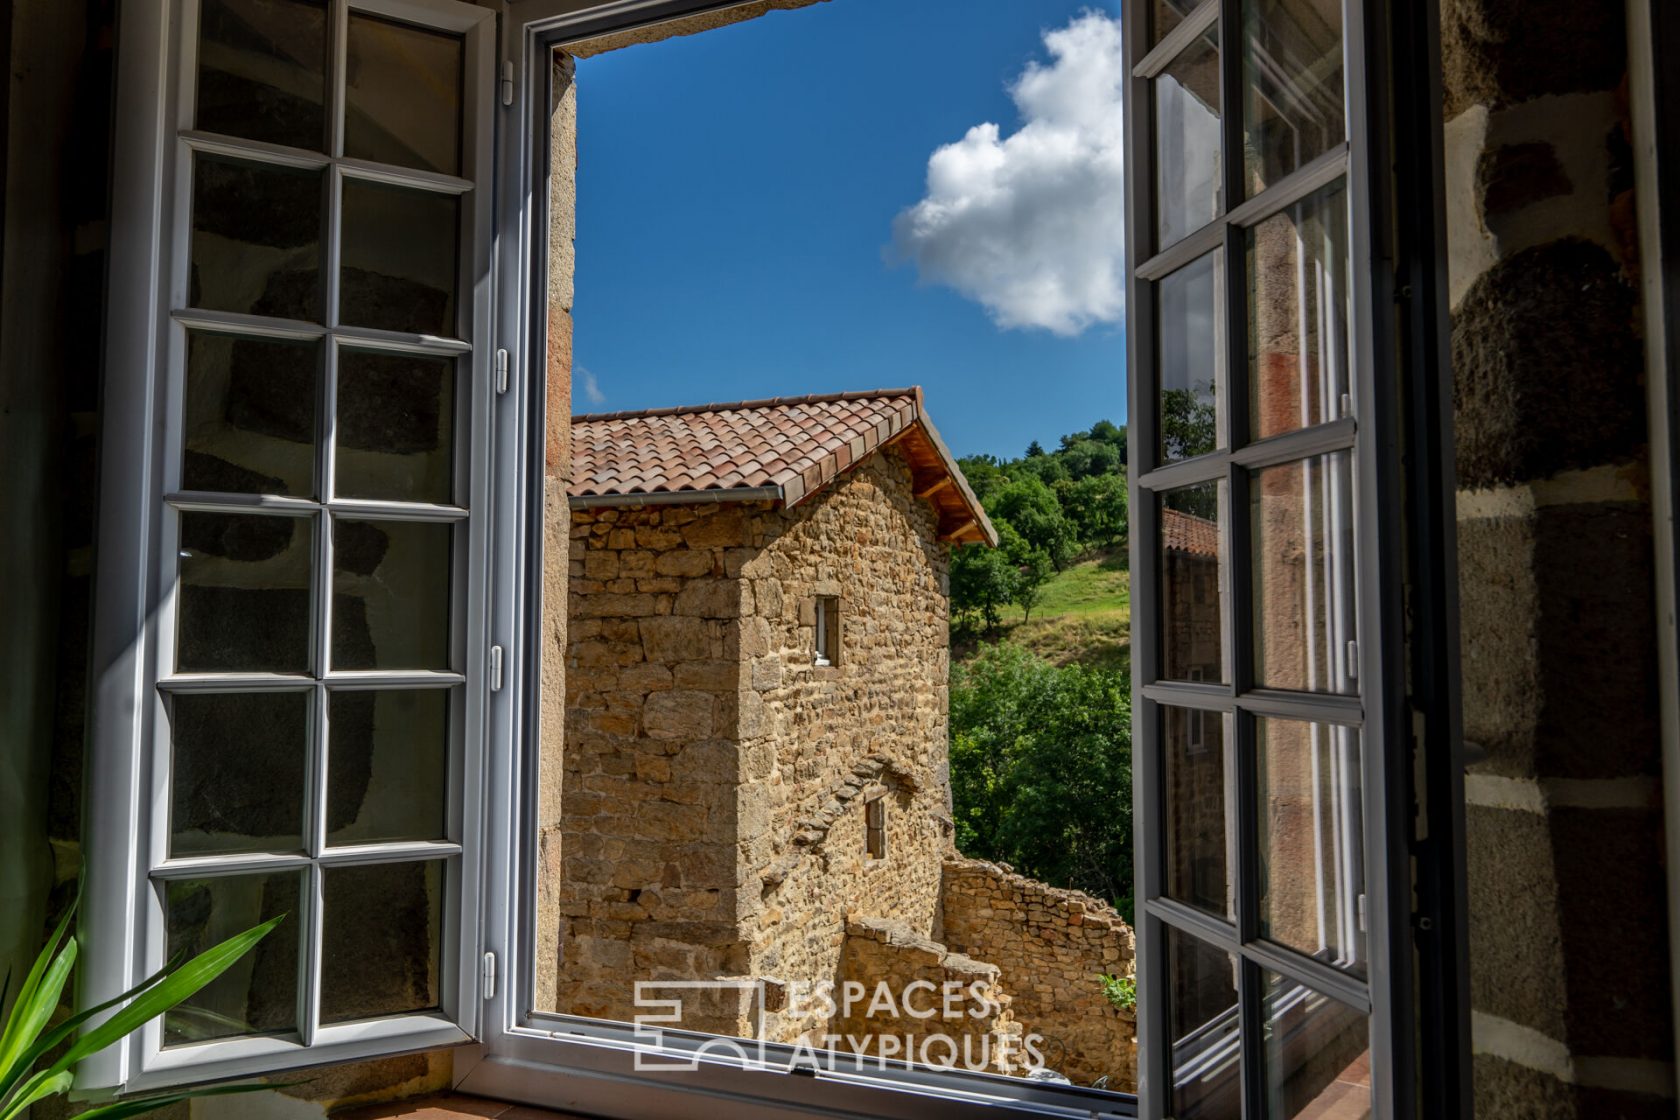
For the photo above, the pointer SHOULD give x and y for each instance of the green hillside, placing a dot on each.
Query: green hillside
(1082, 617)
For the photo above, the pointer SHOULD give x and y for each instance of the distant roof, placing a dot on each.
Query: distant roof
(784, 450)
(1185, 532)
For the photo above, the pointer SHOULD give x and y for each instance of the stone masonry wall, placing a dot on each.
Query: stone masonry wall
(835, 737)
(1049, 946)
(1568, 950)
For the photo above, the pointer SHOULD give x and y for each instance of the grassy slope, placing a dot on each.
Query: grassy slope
(1083, 615)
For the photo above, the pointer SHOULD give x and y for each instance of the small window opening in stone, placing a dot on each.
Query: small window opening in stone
(875, 828)
(828, 630)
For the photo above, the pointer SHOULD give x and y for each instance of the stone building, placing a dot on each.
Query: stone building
(755, 778)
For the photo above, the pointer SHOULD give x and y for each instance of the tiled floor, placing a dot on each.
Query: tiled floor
(453, 1107)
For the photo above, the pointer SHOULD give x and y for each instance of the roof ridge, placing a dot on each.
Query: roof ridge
(742, 406)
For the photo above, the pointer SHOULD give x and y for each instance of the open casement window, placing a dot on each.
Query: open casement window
(1271, 731)
(291, 636)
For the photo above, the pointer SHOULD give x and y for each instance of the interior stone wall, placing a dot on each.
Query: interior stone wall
(1568, 941)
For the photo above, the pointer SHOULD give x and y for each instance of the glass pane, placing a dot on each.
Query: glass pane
(1312, 852)
(1190, 350)
(1292, 86)
(1202, 1026)
(1168, 14)
(396, 427)
(1187, 141)
(1194, 809)
(387, 766)
(1191, 595)
(250, 415)
(237, 775)
(381, 940)
(256, 240)
(258, 993)
(398, 271)
(402, 93)
(1317, 1055)
(262, 70)
(390, 595)
(244, 593)
(1298, 315)
(1304, 591)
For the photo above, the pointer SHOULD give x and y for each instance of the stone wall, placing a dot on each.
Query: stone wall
(1569, 984)
(1049, 947)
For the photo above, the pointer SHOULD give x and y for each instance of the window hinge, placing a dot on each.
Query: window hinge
(495, 668)
(1353, 660)
(487, 976)
(501, 372)
(507, 81)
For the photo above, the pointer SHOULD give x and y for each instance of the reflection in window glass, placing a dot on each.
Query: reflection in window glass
(1317, 1054)
(268, 265)
(387, 765)
(1187, 141)
(1194, 810)
(1304, 593)
(244, 594)
(1297, 315)
(402, 94)
(250, 415)
(1168, 14)
(258, 992)
(1312, 852)
(395, 427)
(390, 594)
(399, 256)
(1292, 86)
(1202, 1027)
(381, 940)
(237, 774)
(1191, 600)
(262, 70)
(1190, 354)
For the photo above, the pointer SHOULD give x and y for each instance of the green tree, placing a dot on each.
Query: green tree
(984, 474)
(1087, 457)
(1033, 568)
(982, 582)
(1096, 507)
(1188, 424)
(1035, 449)
(1030, 506)
(1041, 769)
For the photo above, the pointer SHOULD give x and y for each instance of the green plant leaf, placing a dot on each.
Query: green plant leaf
(37, 1087)
(34, 1007)
(119, 1110)
(173, 989)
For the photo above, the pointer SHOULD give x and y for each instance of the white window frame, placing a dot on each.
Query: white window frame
(126, 815)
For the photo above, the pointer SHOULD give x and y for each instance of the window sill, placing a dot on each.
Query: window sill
(453, 1106)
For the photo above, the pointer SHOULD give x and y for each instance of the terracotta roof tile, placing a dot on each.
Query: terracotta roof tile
(1185, 532)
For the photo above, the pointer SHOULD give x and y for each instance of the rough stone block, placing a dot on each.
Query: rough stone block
(674, 639)
(1499, 53)
(678, 714)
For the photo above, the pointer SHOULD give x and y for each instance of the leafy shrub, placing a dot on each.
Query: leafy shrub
(1120, 990)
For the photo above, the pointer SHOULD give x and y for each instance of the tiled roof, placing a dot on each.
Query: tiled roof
(1185, 532)
(783, 449)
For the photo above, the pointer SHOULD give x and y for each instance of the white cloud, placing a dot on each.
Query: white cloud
(585, 380)
(1030, 224)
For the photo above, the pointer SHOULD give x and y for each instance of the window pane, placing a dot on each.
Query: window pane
(390, 595)
(250, 415)
(258, 993)
(1190, 352)
(1304, 591)
(1297, 315)
(402, 92)
(1317, 1055)
(1191, 601)
(387, 766)
(1187, 141)
(1312, 852)
(1202, 1026)
(1168, 14)
(256, 239)
(1292, 86)
(237, 776)
(262, 70)
(381, 940)
(1195, 810)
(398, 271)
(395, 427)
(244, 593)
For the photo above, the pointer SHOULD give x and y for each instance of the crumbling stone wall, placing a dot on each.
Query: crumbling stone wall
(1569, 987)
(1049, 946)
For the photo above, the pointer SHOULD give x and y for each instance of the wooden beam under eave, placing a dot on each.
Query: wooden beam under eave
(969, 528)
(930, 491)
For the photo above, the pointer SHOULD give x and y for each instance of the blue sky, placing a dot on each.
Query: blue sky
(738, 192)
